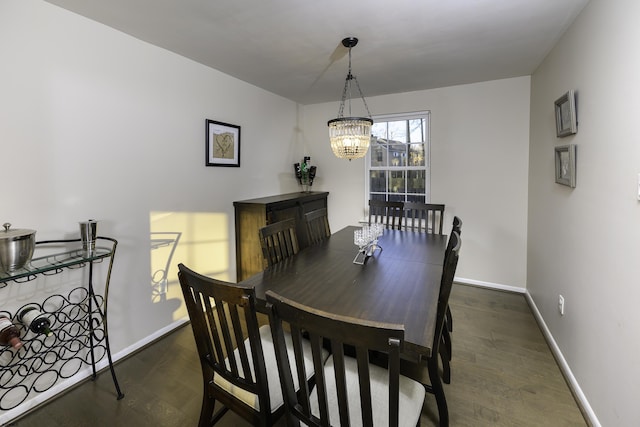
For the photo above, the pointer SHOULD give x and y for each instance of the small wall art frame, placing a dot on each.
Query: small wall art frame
(566, 121)
(566, 165)
(222, 144)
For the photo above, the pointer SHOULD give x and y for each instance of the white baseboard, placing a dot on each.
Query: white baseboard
(489, 285)
(583, 403)
(149, 339)
(585, 407)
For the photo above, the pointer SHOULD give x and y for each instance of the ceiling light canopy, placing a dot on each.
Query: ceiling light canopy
(350, 136)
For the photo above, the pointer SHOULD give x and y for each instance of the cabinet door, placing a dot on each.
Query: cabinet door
(249, 220)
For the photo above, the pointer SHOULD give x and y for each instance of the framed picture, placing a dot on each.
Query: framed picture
(223, 144)
(566, 123)
(566, 165)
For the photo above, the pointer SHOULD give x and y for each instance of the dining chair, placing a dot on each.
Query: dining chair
(279, 241)
(349, 390)
(447, 347)
(387, 213)
(317, 223)
(236, 355)
(431, 378)
(429, 218)
(423, 217)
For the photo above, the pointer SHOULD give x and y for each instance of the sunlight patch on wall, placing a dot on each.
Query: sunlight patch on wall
(199, 240)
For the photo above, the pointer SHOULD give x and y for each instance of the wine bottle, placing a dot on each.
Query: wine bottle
(33, 319)
(9, 333)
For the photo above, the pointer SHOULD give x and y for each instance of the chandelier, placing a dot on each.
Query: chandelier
(350, 136)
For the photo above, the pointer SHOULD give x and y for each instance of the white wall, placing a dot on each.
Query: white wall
(583, 241)
(97, 124)
(479, 160)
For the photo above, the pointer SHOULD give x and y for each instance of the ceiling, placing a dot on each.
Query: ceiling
(293, 47)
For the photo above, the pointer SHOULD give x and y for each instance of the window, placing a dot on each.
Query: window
(397, 164)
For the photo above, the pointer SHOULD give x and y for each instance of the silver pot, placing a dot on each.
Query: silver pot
(16, 247)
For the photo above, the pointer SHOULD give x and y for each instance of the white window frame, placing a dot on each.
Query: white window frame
(427, 167)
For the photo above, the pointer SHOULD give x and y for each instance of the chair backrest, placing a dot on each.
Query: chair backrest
(423, 217)
(361, 336)
(452, 254)
(279, 241)
(387, 213)
(317, 225)
(455, 227)
(222, 316)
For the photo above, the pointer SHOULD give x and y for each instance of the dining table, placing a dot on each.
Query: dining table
(398, 284)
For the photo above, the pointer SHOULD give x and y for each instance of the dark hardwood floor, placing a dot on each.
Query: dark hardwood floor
(503, 374)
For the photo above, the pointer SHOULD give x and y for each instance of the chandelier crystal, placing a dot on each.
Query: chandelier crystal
(350, 136)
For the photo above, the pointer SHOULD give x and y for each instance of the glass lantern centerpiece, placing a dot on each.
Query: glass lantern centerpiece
(366, 239)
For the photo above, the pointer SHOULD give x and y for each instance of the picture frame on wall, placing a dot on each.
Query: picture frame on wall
(565, 158)
(566, 121)
(222, 144)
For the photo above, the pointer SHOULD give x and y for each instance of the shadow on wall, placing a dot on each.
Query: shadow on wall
(200, 240)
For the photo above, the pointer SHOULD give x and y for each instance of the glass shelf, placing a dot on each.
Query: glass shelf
(55, 262)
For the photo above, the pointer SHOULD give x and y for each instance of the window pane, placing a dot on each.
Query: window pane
(416, 130)
(416, 181)
(415, 198)
(398, 167)
(398, 131)
(416, 155)
(396, 181)
(379, 155)
(398, 155)
(377, 181)
(379, 131)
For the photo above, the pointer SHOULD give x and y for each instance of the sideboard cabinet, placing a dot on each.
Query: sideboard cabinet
(251, 215)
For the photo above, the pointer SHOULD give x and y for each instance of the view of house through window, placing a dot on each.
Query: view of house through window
(397, 164)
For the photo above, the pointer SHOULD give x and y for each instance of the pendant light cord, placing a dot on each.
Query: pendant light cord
(347, 88)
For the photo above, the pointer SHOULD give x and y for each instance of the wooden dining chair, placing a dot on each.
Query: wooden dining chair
(387, 213)
(423, 217)
(317, 225)
(349, 390)
(452, 255)
(429, 218)
(446, 349)
(431, 365)
(279, 241)
(237, 357)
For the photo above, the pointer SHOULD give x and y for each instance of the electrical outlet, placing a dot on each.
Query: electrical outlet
(561, 305)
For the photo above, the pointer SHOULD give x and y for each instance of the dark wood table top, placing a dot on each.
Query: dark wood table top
(398, 285)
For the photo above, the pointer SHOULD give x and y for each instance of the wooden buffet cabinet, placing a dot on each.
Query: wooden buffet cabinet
(253, 214)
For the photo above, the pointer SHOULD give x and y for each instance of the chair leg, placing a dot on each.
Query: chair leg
(438, 391)
(219, 415)
(446, 366)
(206, 412)
(446, 340)
(449, 319)
(208, 405)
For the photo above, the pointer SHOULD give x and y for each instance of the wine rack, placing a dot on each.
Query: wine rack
(78, 321)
